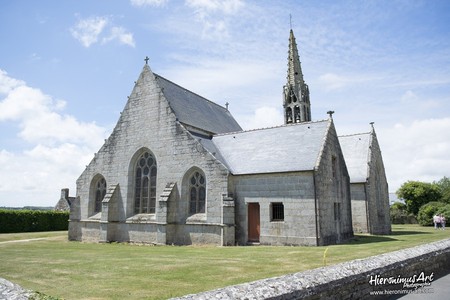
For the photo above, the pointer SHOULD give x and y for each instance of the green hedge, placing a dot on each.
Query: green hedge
(32, 220)
(427, 211)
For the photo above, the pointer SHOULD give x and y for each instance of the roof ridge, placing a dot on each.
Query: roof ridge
(185, 89)
(272, 127)
(354, 134)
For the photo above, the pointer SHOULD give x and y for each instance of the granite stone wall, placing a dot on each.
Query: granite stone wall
(359, 207)
(333, 193)
(295, 190)
(377, 192)
(147, 123)
(386, 274)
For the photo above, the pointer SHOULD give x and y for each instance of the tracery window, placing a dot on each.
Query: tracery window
(100, 192)
(197, 193)
(145, 184)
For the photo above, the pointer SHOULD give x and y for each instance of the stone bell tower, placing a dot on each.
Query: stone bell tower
(296, 105)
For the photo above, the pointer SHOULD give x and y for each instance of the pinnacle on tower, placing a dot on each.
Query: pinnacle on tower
(296, 105)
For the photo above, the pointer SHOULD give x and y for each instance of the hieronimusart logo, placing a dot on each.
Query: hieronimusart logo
(416, 283)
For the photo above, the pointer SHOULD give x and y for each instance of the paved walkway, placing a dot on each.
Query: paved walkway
(440, 290)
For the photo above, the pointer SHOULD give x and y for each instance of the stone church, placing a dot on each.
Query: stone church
(368, 183)
(178, 169)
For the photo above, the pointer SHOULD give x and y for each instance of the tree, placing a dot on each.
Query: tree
(417, 193)
(444, 188)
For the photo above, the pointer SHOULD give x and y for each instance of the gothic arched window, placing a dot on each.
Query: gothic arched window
(197, 193)
(100, 192)
(145, 185)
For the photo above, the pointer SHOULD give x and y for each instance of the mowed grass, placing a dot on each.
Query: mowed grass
(73, 270)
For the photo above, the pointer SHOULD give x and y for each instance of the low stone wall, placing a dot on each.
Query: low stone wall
(386, 274)
(11, 291)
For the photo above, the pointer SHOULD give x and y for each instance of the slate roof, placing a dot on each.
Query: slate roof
(286, 148)
(356, 154)
(196, 111)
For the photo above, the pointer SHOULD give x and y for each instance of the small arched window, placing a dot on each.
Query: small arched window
(197, 193)
(145, 185)
(297, 114)
(100, 192)
(288, 115)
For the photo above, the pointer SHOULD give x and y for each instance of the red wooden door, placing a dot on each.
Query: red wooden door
(253, 222)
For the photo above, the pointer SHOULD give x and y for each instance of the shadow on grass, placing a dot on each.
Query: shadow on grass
(366, 239)
(394, 236)
(409, 232)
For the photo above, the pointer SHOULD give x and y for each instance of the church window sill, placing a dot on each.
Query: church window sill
(96, 217)
(197, 218)
(142, 218)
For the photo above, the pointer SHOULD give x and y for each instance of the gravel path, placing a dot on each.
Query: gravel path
(27, 240)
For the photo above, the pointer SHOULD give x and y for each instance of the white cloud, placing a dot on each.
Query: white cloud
(331, 81)
(263, 117)
(88, 30)
(223, 6)
(416, 151)
(7, 83)
(58, 146)
(155, 3)
(408, 97)
(122, 35)
(211, 14)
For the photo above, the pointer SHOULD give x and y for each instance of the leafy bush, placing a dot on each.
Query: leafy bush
(399, 206)
(32, 220)
(427, 211)
(399, 214)
(445, 211)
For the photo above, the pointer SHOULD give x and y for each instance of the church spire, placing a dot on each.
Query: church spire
(297, 107)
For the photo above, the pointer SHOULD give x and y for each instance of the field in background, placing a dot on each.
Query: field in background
(73, 270)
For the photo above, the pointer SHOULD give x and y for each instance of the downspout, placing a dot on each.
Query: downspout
(316, 208)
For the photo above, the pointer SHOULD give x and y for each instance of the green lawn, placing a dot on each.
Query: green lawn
(73, 270)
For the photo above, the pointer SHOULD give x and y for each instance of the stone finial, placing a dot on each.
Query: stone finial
(226, 105)
(330, 112)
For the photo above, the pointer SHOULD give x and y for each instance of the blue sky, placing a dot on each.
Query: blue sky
(67, 67)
